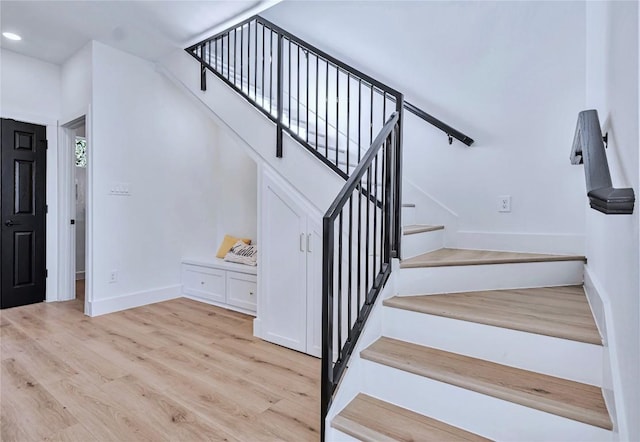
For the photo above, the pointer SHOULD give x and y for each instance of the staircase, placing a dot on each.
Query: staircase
(461, 344)
(461, 357)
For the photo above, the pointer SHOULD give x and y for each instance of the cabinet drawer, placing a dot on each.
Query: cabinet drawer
(242, 290)
(204, 282)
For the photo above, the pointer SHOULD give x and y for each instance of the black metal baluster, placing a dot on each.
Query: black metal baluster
(262, 90)
(255, 63)
(326, 111)
(215, 51)
(371, 117)
(383, 225)
(298, 91)
(307, 102)
(235, 56)
(317, 93)
(340, 279)
(375, 214)
(350, 268)
(366, 238)
(359, 119)
(348, 113)
(388, 198)
(289, 79)
(241, 58)
(337, 120)
(359, 278)
(270, 71)
(228, 56)
(280, 91)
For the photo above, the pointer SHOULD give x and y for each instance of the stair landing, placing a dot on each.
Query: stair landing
(561, 312)
(372, 420)
(465, 257)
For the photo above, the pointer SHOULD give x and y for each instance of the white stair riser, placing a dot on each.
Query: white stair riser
(452, 279)
(333, 435)
(529, 351)
(409, 216)
(478, 413)
(418, 243)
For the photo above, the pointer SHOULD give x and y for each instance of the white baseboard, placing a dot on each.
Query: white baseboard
(80, 275)
(220, 304)
(131, 300)
(612, 387)
(522, 242)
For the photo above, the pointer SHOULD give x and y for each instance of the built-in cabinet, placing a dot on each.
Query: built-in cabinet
(289, 308)
(221, 283)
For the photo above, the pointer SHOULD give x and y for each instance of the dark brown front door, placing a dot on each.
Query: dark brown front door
(23, 210)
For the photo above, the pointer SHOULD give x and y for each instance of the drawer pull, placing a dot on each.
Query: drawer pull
(251, 293)
(202, 282)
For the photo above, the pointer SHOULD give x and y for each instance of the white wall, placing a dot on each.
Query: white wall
(509, 74)
(76, 84)
(150, 135)
(612, 241)
(236, 189)
(31, 92)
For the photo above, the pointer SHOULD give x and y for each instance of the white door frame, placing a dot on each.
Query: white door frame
(66, 212)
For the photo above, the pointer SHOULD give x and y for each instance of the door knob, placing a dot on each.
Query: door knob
(9, 223)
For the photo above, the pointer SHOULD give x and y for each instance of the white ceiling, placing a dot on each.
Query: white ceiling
(55, 30)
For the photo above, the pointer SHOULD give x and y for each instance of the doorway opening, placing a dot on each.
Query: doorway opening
(80, 192)
(75, 213)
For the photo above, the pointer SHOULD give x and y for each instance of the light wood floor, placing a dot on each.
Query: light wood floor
(178, 370)
(80, 288)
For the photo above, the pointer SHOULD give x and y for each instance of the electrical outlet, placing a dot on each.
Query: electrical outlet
(504, 203)
(113, 276)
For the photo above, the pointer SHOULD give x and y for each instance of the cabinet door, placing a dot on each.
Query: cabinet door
(314, 287)
(204, 282)
(241, 290)
(283, 268)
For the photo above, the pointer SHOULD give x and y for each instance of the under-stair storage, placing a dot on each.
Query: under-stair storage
(289, 310)
(222, 283)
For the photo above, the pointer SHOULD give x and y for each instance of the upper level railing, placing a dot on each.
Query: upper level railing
(327, 106)
(588, 148)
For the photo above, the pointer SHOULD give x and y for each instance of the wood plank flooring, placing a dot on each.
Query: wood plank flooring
(573, 400)
(177, 370)
(465, 257)
(561, 312)
(371, 420)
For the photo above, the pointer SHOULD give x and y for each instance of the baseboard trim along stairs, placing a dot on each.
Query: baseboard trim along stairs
(510, 353)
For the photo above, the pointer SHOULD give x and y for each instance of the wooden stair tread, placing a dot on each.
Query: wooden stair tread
(461, 257)
(570, 399)
(419, 228)
(373, 420)
(561, 312)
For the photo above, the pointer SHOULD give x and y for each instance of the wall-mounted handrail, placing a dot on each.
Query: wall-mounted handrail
(588, 148)
(444, 127)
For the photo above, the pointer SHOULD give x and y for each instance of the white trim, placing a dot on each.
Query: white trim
(220, 304)
(131, 300)
(66, 211)
(612, 390)
(51, 124)
(558, 243)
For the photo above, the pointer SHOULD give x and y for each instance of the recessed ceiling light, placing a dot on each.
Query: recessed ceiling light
(12, 36)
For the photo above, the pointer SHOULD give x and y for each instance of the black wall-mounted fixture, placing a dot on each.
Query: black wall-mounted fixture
(588, 148)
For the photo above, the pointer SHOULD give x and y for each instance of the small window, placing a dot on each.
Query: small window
(81, 152)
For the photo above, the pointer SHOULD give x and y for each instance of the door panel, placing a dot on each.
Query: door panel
(314, 287)
(284, 267)
(23, 213)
